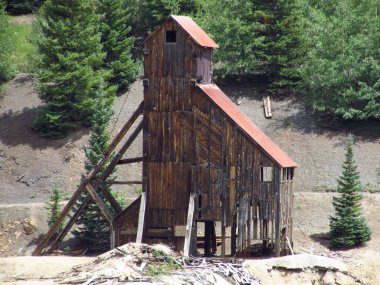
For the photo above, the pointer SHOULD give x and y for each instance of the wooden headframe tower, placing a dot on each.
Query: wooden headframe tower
(204, 161)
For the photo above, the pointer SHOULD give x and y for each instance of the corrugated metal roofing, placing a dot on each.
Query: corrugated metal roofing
(195, 31)
(225, 103)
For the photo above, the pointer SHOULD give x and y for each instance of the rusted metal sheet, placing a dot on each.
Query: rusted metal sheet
(243, 122)
(195, 31)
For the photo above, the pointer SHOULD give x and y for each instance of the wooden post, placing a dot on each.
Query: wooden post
(98, 200)
(276, 178)
(233, 235)
(189, 226)
(140, 227)
(112, 238)
(70, 223)
(223, 240)
(207, 238)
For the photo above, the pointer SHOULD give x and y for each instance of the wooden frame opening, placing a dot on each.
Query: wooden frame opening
(171, 37)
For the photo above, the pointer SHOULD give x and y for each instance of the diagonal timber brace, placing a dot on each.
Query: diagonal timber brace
(85, 184)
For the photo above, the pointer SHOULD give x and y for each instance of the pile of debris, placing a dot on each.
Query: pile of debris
(156, 264)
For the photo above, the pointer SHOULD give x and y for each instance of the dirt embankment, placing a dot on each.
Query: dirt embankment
(30, 165)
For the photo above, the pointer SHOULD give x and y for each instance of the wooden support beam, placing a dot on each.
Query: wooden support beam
(98, 200)
(276, 182)
(119, 155)
(140, 226)
(70, 223)
(124, 130)
(115, 205)
(233, 235)
(130, 160)
(189, 226)
(59, 220)
(90, 176)
(118, 182)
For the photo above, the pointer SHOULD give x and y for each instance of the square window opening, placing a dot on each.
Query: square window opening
(171, 37)
(266, 174)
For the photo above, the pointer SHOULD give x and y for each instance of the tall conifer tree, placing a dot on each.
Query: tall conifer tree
(348, 227)
(117, 42)
(280, 51)
(258, 38)
(70, 64)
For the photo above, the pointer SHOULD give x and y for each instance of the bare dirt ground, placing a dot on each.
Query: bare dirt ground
(30, 165)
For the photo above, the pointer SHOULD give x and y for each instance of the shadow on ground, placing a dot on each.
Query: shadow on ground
(15, 129)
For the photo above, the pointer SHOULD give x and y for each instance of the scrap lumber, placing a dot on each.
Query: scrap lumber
(267, 107)
(140, 227)
(189, 225)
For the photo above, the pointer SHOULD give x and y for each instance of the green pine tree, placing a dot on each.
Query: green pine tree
(92, 227)
(348, 227)
(69, 66)
(54, 206)
(6, 70)
(280, 50)
(117, 42)
(258, 39)
(341, 73)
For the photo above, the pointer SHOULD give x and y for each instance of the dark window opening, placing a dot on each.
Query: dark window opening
(287, 174)
(171, 36)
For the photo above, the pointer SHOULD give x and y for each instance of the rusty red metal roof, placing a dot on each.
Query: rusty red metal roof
(223, 102)
(195, 31)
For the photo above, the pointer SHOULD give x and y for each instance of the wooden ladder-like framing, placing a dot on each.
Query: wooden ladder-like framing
(93, 185)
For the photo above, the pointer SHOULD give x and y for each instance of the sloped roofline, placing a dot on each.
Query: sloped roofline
(245, 124)
(193, 30)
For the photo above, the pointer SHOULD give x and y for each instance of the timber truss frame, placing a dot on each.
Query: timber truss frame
(94, 186)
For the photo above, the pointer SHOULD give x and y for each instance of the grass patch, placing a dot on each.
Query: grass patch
(324, 188)
(22, 48)
(165, 264)
(371, 188)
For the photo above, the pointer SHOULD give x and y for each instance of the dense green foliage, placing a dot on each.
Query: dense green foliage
(54, 205)
(69, 69)
(256, 38)
(22, 6)
(92, 227)
(117, 42)
(341, 73)
(6, 70)
(348, 227)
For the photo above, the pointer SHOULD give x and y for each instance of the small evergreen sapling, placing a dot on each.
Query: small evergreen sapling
(54, 206)
(348, 227)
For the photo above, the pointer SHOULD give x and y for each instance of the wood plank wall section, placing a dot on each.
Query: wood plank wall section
(191, 146)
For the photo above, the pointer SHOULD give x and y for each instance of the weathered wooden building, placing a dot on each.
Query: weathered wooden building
(198, 145)
(204, 161)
